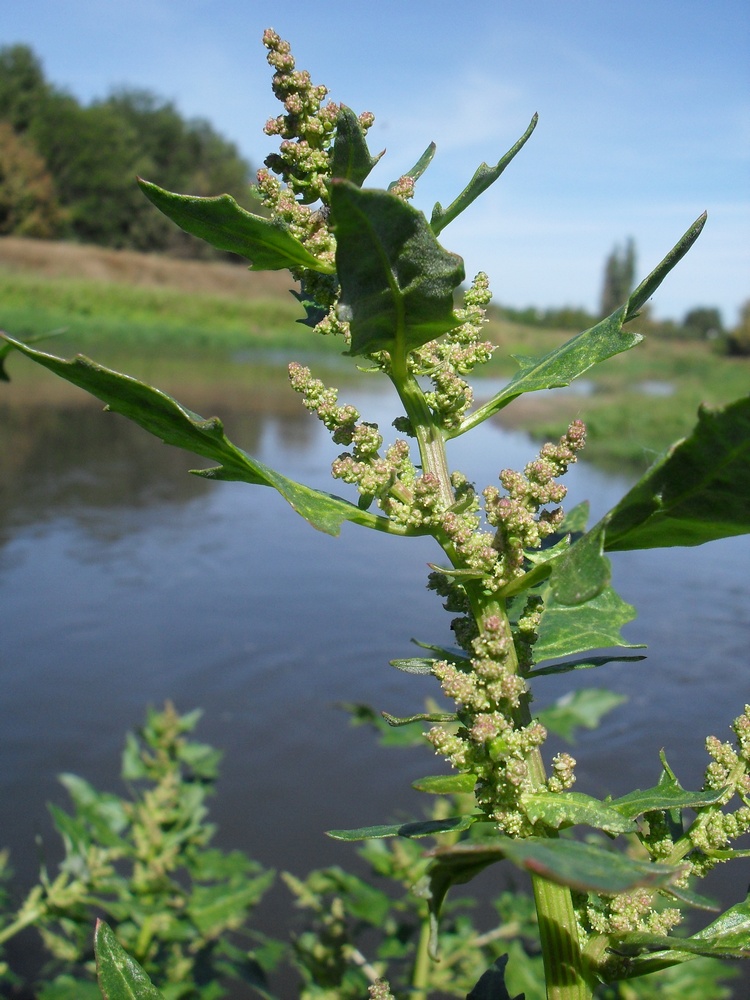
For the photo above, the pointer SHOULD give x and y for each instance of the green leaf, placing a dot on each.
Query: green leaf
(583, 867)
(586, 663)
(162, 416)
(419, 167)
(482, 179)
(564, 809)
(446, 784)
(667, 795)
(214, 908)
(395, 720)
(560, 366)
(696, 493)
(649, 284)
(491, 984)
(582, 572)
(565, 630)
(579, 709)
(397, 281)
(425, 828)
(220, 221)
(120, 977)
(414, 665)
(727, 937)
(6, 348)
(351, 159)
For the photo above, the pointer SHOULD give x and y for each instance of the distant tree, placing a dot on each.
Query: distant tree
(619, 278)
(28, 202)
(703, 323)
(22, 86)
(94, 153)
(738, 339)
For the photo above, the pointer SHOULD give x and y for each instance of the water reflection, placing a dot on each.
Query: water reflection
(125, 581)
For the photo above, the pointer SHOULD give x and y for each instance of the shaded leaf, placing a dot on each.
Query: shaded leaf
(267, 244)
(119, 976)
(579, 709)
(696, 493)
(648, 286)
(446, 784)
(162, 416)
(397, 281)
(425, 828)
(564, 809)
(351, 160)
(565, 630)
(586, 663)
(482, 179)
(583, 867)
(491, 984)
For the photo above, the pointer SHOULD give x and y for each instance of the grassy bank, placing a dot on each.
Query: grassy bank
(113, 305)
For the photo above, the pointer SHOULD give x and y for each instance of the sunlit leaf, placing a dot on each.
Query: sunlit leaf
(215, 907)
(119, 976)
(419, 167)
(162, 416)
(696, 493)
(565, 630)
(482, 179)
(667, 795)
(446, 784)
(563, 809)
(267, 244)
(560, 366)
(397, 282)
(727, 937)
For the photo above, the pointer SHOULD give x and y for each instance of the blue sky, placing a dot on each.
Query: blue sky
(644, 112)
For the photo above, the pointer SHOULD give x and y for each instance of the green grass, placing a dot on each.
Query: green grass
(116, 321)
(144, 318)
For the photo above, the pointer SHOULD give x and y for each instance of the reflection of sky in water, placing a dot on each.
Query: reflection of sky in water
(218, 595)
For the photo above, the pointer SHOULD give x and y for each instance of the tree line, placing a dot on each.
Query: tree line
(67, 170)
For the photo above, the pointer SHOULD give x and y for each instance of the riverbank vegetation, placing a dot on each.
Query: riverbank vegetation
(125, 304)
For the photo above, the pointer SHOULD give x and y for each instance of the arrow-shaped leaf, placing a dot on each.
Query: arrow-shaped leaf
(419, 167)
(697, 492)
(119, 976)
(482, 179)
(560, 366)
(220, 221)
(397, 281)
(162, 416)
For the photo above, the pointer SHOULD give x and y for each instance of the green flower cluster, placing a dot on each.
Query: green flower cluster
(457, 354)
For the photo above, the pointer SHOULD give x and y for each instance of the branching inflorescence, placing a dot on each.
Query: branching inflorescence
(529, 588)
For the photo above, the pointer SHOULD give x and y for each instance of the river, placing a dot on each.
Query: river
(124, 582)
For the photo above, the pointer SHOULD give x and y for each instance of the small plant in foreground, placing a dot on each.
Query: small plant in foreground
(528, 584)
(178, 905)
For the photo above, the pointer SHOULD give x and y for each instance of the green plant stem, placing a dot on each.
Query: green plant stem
(563, 959)
(420, 979)
(558, 931)
(428, 434)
